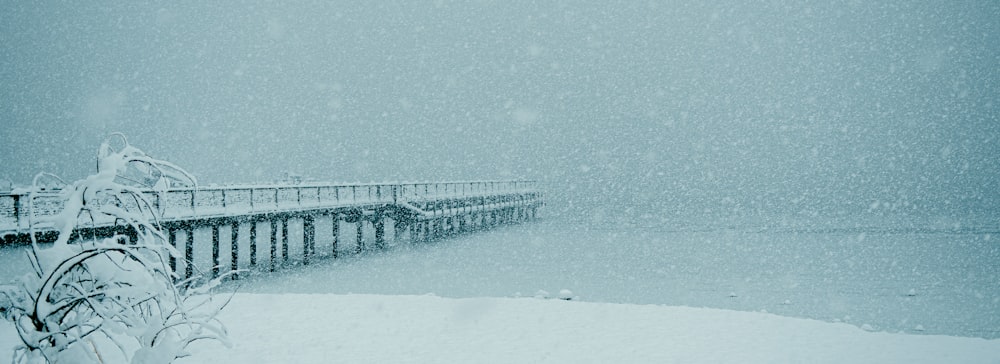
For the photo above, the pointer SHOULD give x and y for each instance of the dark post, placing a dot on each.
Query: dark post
(189, 252)
(253, 242)
(379, 232)
(308, 237)
(421, 231)
(336, 232)
(274, 244)
(17, 210)
(361, 242)
(236, 248)
(172, 239)
(215, 251)
(133, 235)
(397, 230)
(284, 239)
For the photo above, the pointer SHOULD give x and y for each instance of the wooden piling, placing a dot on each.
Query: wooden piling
(253, 243)
(274, 244)
(308, 237)
(360, 236)
(189, 252)
(284, 240)
(172, 240)
(235, 229)
(336, 233)
(215, 251)
(379, 232)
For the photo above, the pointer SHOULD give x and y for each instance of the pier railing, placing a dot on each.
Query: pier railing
(19, 209)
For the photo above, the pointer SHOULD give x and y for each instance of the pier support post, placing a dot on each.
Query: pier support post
(172, 240)
(284, 240)
(253, 243)
(425, 233)
(215, 251)
(274, 244)
(308, 237)
(235, 248)
(396, 227)
(336, 232)
(379, 232)
(361, 239)
(189, 252)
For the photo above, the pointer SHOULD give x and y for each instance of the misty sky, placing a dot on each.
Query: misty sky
(785, 106)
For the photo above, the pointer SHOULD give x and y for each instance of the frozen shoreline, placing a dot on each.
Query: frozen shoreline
(320, 328)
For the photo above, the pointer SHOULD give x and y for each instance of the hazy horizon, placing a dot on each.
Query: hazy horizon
(778, 106)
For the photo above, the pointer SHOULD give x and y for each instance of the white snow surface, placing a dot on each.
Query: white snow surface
(324, 328)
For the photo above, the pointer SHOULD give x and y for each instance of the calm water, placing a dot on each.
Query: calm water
(932, 277)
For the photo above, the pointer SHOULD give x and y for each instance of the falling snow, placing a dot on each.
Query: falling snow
(832, 161)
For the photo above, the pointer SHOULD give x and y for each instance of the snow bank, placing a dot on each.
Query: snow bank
(323, 328)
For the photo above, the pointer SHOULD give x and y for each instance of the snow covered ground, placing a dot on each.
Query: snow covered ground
(324, 328)
(400, 329)
(927, 278)
(647, 291)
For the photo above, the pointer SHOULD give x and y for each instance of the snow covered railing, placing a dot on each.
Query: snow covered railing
(19, 208)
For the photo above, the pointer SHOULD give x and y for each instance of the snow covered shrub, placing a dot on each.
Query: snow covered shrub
(110, 300)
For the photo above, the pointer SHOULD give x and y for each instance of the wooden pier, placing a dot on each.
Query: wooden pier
(419, 211)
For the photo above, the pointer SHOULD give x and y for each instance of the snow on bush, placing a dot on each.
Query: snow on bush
(110, 300)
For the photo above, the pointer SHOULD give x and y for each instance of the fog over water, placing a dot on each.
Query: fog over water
(791, 107)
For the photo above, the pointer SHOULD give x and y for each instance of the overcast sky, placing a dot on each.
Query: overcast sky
(788, 106)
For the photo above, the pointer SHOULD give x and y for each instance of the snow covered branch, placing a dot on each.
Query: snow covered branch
(106, 300)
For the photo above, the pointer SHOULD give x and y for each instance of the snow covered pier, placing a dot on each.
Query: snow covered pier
(417, 211)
